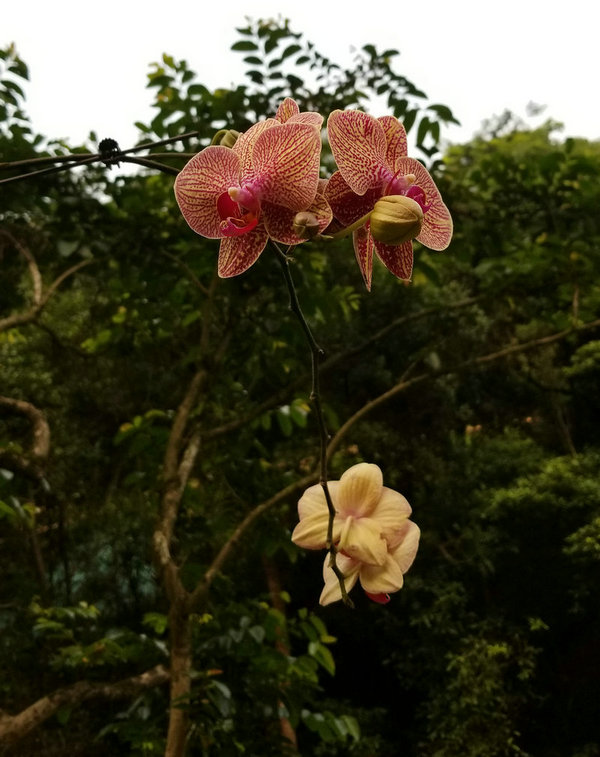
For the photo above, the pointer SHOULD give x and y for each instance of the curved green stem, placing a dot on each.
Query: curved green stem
(349, 229)
(315, 397)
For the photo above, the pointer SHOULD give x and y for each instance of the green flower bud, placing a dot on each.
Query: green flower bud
(396, 219)
(306, 225)
(225, 137)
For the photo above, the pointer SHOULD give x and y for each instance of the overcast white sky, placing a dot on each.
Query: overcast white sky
(89, 60)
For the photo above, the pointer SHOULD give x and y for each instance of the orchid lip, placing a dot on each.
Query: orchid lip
(234, 221)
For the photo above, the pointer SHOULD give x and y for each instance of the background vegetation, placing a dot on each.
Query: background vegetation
(136, 386)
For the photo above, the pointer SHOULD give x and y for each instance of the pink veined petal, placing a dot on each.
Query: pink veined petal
(363, 249)
(313, 499)
(331, 591)
(391, 512)
(244, 145)
(405, 553)
(360, 490)
(361, 539)
(199, 185)
(279, 221)
(346, 205)
(286, 110)
(285, 162)
(395, 135)
(359, 147)
(437, 222)
(381, 579)
(308, 117)
(237, 254)
(311, 532)
(397, 258)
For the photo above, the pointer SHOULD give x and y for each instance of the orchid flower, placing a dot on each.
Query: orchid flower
(376, 541)
(371, 156)
(253, 191)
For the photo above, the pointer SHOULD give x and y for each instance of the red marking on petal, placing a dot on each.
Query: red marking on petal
(237, 254)
(286, 110)
(244, 145)
(381, 599)
(346, 205)
(285, 163)
(359, 147)
(395, 135)
(363, 249)
(398, 258)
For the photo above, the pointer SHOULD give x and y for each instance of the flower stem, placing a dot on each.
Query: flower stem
(317, 354)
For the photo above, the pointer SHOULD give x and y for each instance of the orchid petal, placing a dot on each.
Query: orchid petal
(346, 205)
(308, 117)
(363, 249)
(237, 254)
(311, 532)
(381, 579)
(395, 135)
(285, 162)
(313, 500)
(404, 553)
(381, 599)
(360, 490)
(397, 258)
(437, 222)
(199, 185)
(286, 110)
(359, 147)
(244, 145)
(391, 512)
(279, 221)
(332, 591)
(361, 539)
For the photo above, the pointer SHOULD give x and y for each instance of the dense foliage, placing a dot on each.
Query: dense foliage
(475, 389)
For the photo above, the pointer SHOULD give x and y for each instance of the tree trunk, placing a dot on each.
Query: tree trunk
(181, 665)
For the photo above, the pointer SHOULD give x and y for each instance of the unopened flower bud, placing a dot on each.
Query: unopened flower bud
(229, 138)
(225, 137)
(306, 225)
(396, 219)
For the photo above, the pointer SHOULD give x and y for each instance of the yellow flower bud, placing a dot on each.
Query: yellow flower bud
(306, 225)
(396, 219)
(225, 137)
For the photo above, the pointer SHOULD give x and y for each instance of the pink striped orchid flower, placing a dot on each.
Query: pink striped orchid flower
(376, 541)
(253, 191)
(388, 197)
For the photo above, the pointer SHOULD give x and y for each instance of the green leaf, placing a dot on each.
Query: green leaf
(244, 46)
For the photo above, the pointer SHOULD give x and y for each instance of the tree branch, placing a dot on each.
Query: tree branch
(15, 727)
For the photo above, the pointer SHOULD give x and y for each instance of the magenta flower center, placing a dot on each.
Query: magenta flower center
(239, 211)
(405, 185)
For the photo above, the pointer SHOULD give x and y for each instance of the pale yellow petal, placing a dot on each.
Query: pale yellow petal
(391, 512)
(331, 591)
(313, 499)
(360, 490)
(381, 579)
(404, 553)
(311, 532)
(361, 539)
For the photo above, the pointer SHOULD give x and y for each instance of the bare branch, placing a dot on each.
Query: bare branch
(41, 430)
(15, 727)
(34, 271)
(40, 298)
